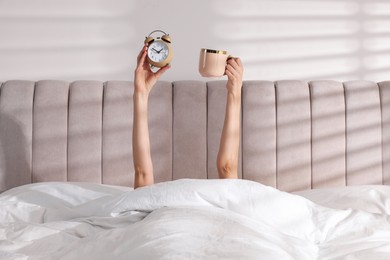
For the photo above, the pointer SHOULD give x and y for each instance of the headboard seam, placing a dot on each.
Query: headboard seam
(380, 106)
(311, 134)
(276, 139)
(102, 133)
(32, 133)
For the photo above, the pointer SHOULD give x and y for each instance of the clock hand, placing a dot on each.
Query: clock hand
(159, 51)
(155, 50)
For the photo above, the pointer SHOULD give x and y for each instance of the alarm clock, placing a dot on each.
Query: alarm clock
(159, 49)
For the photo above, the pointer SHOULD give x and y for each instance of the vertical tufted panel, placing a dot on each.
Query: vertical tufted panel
(293, 135)
(385, 106)
(190, 130)
(160, 130)
(259, 132)
(216, 99)
(364, 134)
(85, 131)
(328, 133)
(50, 130)
(117, 152)
(16, 110)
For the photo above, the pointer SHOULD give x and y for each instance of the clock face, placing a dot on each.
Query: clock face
(158, 51)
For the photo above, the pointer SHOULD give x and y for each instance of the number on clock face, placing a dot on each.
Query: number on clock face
(158, 51)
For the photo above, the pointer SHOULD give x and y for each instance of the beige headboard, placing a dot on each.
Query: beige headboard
(295, 135)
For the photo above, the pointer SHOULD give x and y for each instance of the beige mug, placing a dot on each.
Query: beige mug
(212, 63)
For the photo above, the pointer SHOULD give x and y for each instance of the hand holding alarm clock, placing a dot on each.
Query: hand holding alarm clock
(159, 50)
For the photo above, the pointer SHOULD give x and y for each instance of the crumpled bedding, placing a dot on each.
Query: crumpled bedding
(188, 219)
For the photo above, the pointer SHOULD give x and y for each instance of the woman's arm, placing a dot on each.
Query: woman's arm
(227, 159)
(143, 167)
(144, 80)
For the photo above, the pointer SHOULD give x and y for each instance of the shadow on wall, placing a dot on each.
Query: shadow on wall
(299, 39)
(340, 40)
(15, 168)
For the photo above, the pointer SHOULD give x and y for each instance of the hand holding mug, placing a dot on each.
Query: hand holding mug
(234, 71)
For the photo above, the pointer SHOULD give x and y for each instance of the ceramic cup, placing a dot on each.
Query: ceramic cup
(212, 63)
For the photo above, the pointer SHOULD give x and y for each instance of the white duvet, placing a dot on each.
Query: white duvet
(193, 219)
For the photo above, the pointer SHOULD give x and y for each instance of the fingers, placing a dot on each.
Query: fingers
(239, 63)
(234, 68)
(141, 53)
(228, 71)
(141, 58)
(234, 71)
(235, 63)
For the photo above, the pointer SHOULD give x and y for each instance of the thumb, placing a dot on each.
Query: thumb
(161, 71)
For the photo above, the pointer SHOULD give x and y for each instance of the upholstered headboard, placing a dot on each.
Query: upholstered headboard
(295, 135)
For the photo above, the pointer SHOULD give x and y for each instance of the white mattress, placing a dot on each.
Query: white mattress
(201, 219)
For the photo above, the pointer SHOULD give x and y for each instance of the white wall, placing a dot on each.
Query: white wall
(100, 39)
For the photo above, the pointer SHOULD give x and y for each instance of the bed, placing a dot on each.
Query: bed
(314, 172)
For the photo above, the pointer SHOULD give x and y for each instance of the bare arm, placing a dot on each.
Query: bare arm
(227, 159)
(144, 80)
(142, 159)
